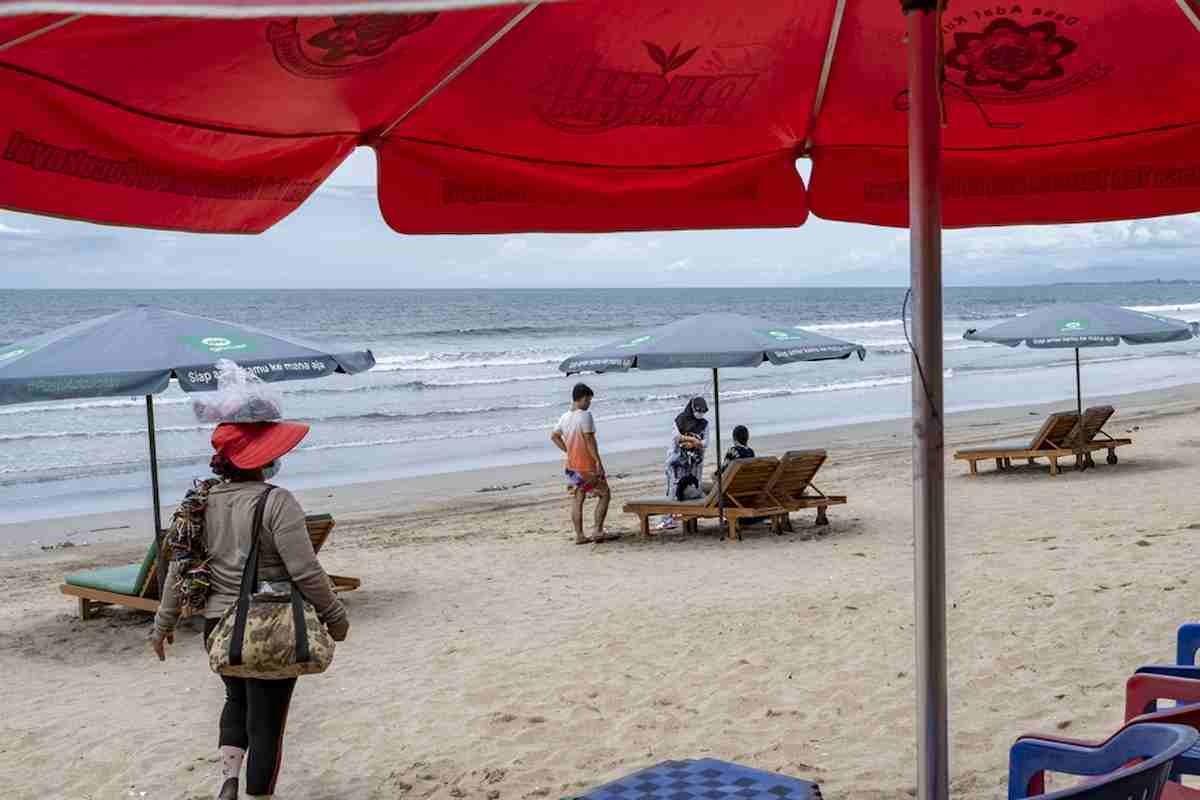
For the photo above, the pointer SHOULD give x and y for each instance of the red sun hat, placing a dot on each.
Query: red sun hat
(250, 445)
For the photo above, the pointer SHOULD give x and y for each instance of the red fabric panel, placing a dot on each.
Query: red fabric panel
(618, 115)
(240, 8)
(13, 28)
(68, 155)
(1055, 112)
(1150, 175)
(638, 82)
(430, 188)
(287, 76)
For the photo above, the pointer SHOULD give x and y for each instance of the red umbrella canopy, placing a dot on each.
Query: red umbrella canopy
(593, 115)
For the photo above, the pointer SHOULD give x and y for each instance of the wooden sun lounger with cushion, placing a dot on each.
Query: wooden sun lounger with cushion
(745, 483)
(1093, 436)
(1053, 442)
(793, 489)
(136, 585)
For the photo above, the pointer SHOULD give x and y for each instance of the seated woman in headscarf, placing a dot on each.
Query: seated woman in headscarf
(685, 458)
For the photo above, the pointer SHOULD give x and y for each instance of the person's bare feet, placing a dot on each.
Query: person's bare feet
(584, 540)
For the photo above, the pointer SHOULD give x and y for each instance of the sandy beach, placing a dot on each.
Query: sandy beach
(491, 658)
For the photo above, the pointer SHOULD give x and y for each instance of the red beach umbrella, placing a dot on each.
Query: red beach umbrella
(606, 115)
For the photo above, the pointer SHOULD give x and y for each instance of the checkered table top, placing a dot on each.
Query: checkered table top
(704, 779)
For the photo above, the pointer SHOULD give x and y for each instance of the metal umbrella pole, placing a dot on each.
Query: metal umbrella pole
(153, 464)
(1080, 457)
(717, 421)
(929, 513)
(160, 563)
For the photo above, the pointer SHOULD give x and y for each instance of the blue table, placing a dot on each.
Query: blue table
(704, 779)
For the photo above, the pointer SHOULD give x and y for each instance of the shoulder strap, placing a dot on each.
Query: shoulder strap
(249, 576)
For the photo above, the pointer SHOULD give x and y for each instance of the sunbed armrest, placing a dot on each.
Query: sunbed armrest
(1031, 757)
(1174, 670)
(1144, 690)
(1187, 642)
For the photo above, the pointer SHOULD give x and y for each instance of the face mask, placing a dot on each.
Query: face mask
(700, 414)
(271, 470)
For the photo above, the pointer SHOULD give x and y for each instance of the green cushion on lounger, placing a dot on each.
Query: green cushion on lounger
(118, 580)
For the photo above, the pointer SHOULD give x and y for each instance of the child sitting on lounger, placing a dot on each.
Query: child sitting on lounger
(741, 446)
(740, 449)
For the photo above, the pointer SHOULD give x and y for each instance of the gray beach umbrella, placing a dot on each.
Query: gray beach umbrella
(138, 351)
(1079, 325)
(712, 341)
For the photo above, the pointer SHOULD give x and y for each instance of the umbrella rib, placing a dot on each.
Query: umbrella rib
(53, 26)
(454, 73)
(1189, 13)
(835, 28)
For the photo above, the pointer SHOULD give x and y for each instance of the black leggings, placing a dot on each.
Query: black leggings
(253, 719)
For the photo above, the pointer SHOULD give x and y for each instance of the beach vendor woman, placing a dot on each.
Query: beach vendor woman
(246, 456)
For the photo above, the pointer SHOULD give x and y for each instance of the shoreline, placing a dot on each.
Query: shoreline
(361, 501)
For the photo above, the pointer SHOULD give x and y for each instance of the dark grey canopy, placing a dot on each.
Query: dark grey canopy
(1076, 325)
(138, 351)
(712, 341)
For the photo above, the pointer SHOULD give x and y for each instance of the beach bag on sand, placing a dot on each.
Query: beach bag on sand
(269, 636)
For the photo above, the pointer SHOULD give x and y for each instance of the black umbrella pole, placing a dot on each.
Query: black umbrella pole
(1080, 459)
(717, 422)
(1078, 387)
(153, 464)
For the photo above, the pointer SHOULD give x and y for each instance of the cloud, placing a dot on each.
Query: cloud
(9, 230)
(337, 239)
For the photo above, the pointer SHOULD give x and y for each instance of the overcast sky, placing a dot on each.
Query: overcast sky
(338, 239)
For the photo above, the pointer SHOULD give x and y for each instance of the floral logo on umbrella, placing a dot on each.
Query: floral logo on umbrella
(332, 47)
(1010, 55)
(1008, 64)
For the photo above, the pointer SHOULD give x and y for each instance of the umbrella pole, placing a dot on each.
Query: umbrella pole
(153, 464)
(929, 513)
(717, 422)
(1080, 461)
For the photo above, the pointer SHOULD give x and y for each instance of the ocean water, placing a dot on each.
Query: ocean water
(468, 378)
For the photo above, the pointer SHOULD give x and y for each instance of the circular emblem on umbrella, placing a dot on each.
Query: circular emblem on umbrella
(1010, 55)
(215, 344)
(1072, 326)
(332, 47)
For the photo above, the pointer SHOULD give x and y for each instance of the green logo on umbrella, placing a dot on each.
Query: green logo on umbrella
(1072, 326)
(636, 341)
(781, 335)
(12, 354)
(217, 344)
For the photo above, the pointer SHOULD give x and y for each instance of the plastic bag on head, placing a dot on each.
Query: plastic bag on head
(241, 396)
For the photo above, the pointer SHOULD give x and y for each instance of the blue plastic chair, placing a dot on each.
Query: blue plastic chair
(1153, 746)
(1187, 643)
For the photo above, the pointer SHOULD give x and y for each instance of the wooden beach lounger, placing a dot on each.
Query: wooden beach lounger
(1091, 427)
(1053, 441)
(792, 486)
(136, 585)
(745, 483)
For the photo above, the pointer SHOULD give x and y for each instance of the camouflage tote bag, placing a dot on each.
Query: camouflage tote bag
(268, 635)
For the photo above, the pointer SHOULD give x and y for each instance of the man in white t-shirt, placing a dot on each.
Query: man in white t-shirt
(575, 435)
